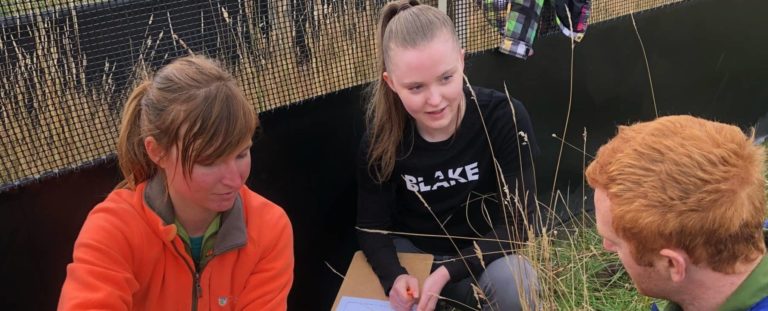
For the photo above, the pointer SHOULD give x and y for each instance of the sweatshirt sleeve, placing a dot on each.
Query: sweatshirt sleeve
(514, 145)
(374, 211)
(268, 284)
(100, 276)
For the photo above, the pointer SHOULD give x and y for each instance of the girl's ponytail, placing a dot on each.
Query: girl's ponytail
(385, 115)
(386, 15)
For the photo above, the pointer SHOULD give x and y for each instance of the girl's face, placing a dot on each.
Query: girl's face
(428, 79)
(209, 187)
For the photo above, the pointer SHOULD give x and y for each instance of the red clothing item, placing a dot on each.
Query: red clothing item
(127, 257)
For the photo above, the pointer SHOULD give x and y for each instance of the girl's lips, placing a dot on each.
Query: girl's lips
(435, 112)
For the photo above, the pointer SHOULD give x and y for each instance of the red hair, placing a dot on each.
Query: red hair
(687, 183)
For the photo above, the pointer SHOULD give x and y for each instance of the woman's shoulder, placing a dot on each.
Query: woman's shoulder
(119, 217)
(267, 223)
(494, 104)
(121, 203)
(260, 208)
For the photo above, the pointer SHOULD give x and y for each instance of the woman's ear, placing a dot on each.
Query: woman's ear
(155, 152)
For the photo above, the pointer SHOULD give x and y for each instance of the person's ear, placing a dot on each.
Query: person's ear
(461, 65)
(675, 263)
(154, 151)
(385, 76)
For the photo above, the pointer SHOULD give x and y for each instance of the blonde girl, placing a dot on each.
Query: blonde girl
(427, 139)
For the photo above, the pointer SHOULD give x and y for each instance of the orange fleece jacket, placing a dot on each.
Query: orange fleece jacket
(127, 258)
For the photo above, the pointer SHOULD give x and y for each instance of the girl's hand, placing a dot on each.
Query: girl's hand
(433, 285)
(404, 292)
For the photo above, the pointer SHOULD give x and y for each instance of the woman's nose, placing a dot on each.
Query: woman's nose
(231, 174)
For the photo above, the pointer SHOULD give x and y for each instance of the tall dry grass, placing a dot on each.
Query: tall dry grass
(16, 7)
(52, 118)
(341, 47)
(574, 271)
(603, 10)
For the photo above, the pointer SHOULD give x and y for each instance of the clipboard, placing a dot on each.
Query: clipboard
(360, 280)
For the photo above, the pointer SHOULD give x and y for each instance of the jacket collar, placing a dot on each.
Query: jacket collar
(232, 233)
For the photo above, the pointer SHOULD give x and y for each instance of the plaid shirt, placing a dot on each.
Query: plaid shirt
(518, 21)
(578, 11)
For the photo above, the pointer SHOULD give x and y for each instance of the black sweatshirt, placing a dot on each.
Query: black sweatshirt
(456, 177)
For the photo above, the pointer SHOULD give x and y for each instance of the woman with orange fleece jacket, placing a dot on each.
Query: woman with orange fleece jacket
(182, 231)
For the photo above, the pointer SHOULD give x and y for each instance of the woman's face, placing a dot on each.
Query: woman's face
(428, 79)
(209, 187)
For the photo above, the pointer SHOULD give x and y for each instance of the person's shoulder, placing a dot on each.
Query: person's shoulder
(363, 145)
(493, 99)
(484, 95)
(120, 203)
(496, 105)
(261, 209)
(761, 305)
(268, 225)
(120, 220)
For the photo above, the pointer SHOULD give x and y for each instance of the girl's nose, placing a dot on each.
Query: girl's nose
(434, 98)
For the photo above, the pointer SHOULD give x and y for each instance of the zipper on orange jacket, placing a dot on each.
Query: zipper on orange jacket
(197, 283)
(196, 288)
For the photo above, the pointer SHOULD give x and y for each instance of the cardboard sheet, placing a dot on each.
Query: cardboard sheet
(361, 282)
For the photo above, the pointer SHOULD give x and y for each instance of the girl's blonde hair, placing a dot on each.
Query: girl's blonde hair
(191, 104)
(402, 24)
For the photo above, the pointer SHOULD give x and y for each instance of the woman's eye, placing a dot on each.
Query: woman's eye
(447, 78)
(414, 88)
(242, 155)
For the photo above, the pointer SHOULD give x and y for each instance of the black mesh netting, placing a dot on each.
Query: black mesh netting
(67, 66)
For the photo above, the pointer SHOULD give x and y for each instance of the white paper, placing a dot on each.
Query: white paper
(364, 304)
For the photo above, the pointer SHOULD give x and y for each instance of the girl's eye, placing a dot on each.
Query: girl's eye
(414, 88)
(242, 155)
(447, 78)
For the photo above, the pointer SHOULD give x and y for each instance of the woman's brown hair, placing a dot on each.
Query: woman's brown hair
(192, 104)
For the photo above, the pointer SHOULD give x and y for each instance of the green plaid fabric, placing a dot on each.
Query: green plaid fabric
(518, 21)
(578, 12)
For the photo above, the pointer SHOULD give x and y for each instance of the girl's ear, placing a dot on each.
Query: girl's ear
(385, 76)
(155, 152)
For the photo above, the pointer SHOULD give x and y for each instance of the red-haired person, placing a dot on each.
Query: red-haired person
(182, 231)
(681, 200)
